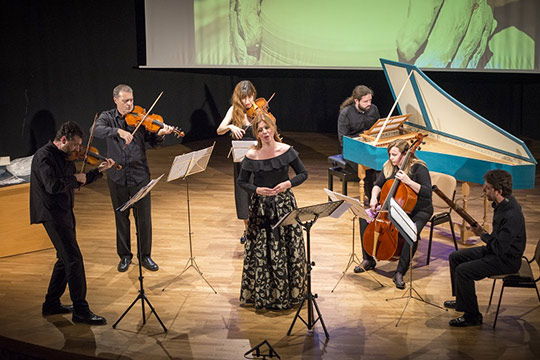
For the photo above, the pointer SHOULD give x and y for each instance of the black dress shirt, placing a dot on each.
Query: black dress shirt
(133, 156)
(52, 182)
(352, 122)
(508, 238)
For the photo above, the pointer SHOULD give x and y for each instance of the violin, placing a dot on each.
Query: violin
(152, 122)
(259, 105)
(93, 157)
(381, 239)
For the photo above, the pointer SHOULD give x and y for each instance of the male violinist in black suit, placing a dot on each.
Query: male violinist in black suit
(52, 181)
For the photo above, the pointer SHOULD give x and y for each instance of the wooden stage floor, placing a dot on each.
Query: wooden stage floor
(205, 325)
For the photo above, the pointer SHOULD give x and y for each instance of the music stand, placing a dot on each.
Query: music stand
(142, 296)
(183, 166)
(358, 211)
(306, 217)
(239, 149)
(407, 229)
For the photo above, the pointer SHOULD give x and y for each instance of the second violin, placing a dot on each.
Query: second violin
(152, 122)
(259, 105)
(93, 156)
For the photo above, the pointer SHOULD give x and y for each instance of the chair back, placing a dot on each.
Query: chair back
(447, 184)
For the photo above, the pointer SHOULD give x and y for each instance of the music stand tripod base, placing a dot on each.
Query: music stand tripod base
(141, 296)
(183, 166)
(309, 215)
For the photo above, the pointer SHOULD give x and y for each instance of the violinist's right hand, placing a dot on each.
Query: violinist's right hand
(126, 135)
(237, 132)
(81, 178)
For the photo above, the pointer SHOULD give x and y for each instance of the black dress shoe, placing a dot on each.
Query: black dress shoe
(365, 266)
(450, 304)
(123, 265)
(89, 318)
(464, 321)
(56, 309)
(398, 280)
(149, 264)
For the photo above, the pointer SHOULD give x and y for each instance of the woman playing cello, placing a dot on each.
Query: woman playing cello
(415, 175)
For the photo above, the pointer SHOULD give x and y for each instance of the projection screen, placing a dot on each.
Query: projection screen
(497, 35)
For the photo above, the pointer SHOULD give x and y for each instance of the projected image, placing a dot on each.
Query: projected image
(474, 34)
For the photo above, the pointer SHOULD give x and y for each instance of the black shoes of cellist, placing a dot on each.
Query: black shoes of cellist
(366, 265)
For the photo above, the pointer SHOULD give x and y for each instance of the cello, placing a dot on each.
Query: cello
(381, 239)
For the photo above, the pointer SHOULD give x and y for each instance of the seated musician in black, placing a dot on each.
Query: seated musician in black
(501, 254)
(416, 176)
(356, 114)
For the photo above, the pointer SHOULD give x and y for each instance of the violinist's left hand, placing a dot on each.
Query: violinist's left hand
(166, 129)
(404, 178)
(105, 165)
(281, 187)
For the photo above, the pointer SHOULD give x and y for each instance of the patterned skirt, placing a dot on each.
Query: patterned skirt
(274, 270)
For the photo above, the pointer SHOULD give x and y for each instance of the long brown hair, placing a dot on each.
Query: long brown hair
(241, 91)
(263, 117)
(403, 147)
(358, 93)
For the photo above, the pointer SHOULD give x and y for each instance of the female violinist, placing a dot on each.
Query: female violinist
(416, 176)
(239, 124)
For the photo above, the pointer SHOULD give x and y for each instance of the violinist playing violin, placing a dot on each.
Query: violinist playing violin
(129, 150)
(239, 124)
(52, 183)
(416, 176)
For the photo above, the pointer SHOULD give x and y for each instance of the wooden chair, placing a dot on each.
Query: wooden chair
(441, 214)
(524, 278)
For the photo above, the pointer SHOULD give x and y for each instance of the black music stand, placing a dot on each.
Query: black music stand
(142, 296)
(306, 217)
(358, 211)
(183, 166)
(407, 229)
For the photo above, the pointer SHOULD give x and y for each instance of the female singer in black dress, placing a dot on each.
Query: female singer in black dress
(416, 176)
(273, 276)
(239, 126)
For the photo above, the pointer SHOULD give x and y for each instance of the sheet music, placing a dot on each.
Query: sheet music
(307, 213)
(190, 163)
(140, 194)
(353, 204)
(240, 148)
(402, 220)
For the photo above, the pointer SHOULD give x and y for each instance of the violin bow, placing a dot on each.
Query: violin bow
(145, 115)
(89, 142)
(271, 97)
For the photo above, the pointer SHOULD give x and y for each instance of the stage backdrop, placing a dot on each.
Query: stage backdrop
(63, 58)
(453, 34)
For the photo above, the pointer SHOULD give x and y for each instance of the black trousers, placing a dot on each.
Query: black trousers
(120, 194)
(68, 269)
(469, 265)
(420, 219)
